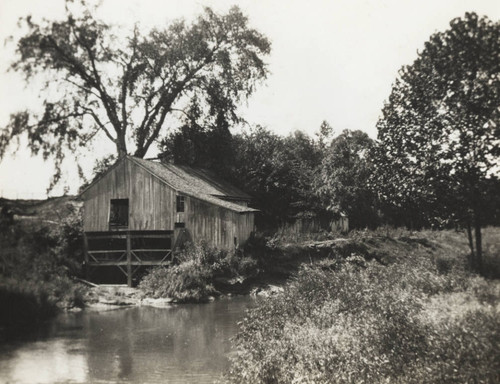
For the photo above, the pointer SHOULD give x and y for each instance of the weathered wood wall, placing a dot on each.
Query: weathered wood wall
(151, 202)
(217, 225)
(314, 225)
(341, 224)
(152, 206)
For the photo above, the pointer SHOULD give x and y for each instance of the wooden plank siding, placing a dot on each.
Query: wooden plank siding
(151, 202)
(314, 225)
(152, 206)
(217, 225)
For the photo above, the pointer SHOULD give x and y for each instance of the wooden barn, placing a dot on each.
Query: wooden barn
(139, 211)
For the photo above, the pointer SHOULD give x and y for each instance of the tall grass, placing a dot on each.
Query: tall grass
(421, 318)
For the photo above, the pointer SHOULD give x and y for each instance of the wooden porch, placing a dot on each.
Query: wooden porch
(127, 250)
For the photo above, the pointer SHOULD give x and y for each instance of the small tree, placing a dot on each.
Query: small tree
(99, 83)
(439, 137)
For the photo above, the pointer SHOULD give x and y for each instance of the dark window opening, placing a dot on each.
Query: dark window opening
(180, 204)
(118, 215)
(180, 225)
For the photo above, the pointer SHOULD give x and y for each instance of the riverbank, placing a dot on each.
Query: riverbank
(41, 260)
(264, 267)
(398, 309)
(99, 298)
(40, 244)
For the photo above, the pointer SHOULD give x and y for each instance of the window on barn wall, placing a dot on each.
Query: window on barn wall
(118, 215)
(180, 204)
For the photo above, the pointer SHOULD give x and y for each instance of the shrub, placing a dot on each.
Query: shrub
(36, 265)
(356, 321)
(29, 302)
(186, 282)
(191, 278)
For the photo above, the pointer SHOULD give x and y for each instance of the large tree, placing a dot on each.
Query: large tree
(277, 172)
(102, 82)
(208, 146)
(341, 180)
(439, 137)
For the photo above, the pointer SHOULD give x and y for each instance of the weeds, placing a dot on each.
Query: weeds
(421, 318)
(191, 278)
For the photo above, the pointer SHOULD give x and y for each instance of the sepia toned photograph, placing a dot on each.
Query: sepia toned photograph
(249, 191)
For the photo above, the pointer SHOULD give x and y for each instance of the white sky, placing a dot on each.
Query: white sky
(331, 60)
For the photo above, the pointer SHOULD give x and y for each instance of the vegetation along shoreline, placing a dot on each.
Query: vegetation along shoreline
(378, 260)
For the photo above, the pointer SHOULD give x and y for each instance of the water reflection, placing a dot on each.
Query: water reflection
(183, 344)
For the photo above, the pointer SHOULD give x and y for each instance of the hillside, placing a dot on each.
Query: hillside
(49, 210)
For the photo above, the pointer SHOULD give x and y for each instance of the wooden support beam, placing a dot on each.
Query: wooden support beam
(101, 250)
(86, 255)
(145, 263)
(109, 251)
(129, 260)
(123, 271)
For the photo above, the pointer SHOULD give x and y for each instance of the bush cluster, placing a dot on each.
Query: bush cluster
(353, 321)
(37, 263)
(191, 278)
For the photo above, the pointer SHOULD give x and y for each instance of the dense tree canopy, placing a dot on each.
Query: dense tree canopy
(209, 146)
(100, 83)
(277, 171)
(439, 137)
(341, 180)
(288, 176)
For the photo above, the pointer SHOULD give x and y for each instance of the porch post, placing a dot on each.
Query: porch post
(129, 260)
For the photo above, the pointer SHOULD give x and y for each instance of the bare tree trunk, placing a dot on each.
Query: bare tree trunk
(121, 146)
(479, 240)
(471, 242)
(140, 152)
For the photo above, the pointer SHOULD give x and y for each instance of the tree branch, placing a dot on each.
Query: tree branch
(92, 113)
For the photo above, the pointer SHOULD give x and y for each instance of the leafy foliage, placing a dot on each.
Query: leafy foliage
(353, 321)
(36, 265)
(208, 147)
(104, 82)
(277, 172)
(288, 176)
(341, 181)
(439, 142)
(191, 278)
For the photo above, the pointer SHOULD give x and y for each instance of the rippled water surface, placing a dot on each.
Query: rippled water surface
(182, 344)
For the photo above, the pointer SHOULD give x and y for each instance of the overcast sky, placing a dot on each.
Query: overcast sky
(331, 60)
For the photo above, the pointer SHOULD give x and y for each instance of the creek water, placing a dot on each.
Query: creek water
(180, 344)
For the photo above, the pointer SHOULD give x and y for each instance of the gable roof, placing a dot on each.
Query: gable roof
(204, 177)
(186, 178)
(195, 182)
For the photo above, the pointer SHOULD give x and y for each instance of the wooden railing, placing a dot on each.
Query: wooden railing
(128, 249)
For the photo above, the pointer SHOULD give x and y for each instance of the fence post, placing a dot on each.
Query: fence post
(129, 260)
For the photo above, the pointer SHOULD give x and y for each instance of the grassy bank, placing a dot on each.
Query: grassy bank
(398, 309)
(38, 260)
